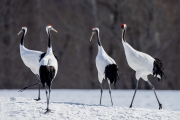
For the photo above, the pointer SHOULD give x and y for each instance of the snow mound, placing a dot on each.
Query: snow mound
(18, 108)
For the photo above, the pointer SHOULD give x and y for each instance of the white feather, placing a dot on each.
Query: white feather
(138, 61)
(30, 58)
(49, 60)
(102, 60)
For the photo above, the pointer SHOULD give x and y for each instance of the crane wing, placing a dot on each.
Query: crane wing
(31, 59)
(138, 60)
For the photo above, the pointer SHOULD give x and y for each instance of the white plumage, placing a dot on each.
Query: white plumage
(30, 58)
(49, 60)
(106, 66)
(142, 63)
(102, 60)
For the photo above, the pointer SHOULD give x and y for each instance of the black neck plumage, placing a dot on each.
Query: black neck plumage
(22, 38)
(123, 35)
(49, 39)
(98, 39)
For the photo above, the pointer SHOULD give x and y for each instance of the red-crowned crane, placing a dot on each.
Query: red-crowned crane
(106, 66)
(48, 67)
(31, 59)
(143, 64)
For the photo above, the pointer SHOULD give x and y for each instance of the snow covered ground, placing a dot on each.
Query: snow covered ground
(84, 105)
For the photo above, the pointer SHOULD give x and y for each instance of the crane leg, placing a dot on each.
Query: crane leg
(101, 92)
(39, 93)
(160, 105)
(47, 96)
(110, 92)
(39, 88)
(21, 90)
(134, 94)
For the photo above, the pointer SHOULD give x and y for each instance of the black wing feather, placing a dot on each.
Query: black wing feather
(43, 54)
(158, 69)
(111, 72)
(47, 74)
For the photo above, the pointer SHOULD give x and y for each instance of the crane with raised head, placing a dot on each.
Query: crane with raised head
(143, 64)
(48, 67)
(31, 59)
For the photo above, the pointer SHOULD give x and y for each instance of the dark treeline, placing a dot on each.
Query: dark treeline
(153, 28)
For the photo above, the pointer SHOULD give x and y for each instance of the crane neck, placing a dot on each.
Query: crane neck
(49, 39)
(98, 39)
(123, 35)
(100, 49)
(22, 38)
(49, 42)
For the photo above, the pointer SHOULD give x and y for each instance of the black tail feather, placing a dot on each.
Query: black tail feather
(46, 74)
(158, 69)
(111, 72)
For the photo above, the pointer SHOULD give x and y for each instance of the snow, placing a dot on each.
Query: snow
(84, 105)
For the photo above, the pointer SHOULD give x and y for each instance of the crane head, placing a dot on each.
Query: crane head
(49, 27)
(94, 30)
(24, 29)
(123, 26)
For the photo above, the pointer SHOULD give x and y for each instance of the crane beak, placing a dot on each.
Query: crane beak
(54, 30)
(19, 32)
(91, 36)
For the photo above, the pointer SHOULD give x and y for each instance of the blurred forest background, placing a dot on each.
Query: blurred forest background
(153, 27)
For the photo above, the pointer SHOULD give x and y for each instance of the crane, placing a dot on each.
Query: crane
(48, 67)
(31, 59)
(143, 64)
(106, 66)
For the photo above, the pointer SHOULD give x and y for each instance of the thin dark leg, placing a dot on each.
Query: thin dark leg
(101, 92)
(46, 94)
(134, 94)
(110, 93)
(39, 88)
(49, 98)
(27, 87)
(38, 93)
(47, 110)
(160, 105)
